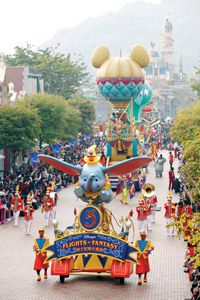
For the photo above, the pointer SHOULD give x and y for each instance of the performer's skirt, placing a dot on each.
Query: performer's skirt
(143, 267)
(39, 262)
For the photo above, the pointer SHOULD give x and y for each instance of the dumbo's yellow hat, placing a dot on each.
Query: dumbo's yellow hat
(91, 158)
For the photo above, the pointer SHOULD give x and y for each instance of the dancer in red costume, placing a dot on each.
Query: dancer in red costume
(145, 247)
(39, 247)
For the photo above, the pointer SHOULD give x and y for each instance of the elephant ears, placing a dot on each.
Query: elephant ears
(127, 166)
(60, 165)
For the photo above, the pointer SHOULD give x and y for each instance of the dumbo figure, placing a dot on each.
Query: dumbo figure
(94, 185)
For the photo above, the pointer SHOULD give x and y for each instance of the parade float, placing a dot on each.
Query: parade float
(92, 245)
(121, 81)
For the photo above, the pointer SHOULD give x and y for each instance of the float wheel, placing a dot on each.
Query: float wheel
(121, 280)
(62, 279)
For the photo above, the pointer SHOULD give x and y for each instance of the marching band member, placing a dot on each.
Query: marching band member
(16, 206)
(47, 207)
(54, 196)
(170, 210)
(141, 215)
(148, 204)
(145, 248)
(39, 247)
(148, 192)
(154, 202)
(28, 214)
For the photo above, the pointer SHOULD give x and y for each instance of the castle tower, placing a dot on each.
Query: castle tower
(181, 67)
(166, 47)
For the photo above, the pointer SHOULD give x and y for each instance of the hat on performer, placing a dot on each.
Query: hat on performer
(41, 229)
(141, 200)
(169, 196)
(48, 191)
(143, 233)
(28, 200)
(17, 191)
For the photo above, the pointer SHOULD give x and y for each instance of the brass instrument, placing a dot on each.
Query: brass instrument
(148, 190)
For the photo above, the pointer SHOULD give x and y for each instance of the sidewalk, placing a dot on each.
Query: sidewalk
(167, 281)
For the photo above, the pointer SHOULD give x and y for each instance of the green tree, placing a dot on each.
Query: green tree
(59, 120)
(87, 111)
(19, 127)
(61, 76)
(185, 130)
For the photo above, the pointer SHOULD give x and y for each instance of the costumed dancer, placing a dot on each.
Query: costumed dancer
(28, 214)
(141, 215)
(39, 247)
(145, 248)
(16, 206)
(170, 210)
(119, 187)
(124, 199)
(47, 207)
(130, 186)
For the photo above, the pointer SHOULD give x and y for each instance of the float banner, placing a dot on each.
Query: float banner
(56, 148)
(92, 243)
(34, 158)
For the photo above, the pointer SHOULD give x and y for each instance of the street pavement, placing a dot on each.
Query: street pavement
(166, 281)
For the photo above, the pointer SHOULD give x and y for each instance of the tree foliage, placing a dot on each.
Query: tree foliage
(61, 76)
(87, 111)
(19, 127)
(186, 132)
(59, 120)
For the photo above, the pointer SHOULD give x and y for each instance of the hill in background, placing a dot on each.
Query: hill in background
(136, 22)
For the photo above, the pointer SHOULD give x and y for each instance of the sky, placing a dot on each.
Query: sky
(36, 21)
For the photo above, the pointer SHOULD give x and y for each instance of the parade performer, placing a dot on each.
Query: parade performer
(148, 192)
(118, 187)
(47, 207)
(179, 210)
(28, 214)
(124, 199)
(170, 209)
(145, 248)
(39, 247)
(154, 202)
(16, 206)
(130, 186)
(171, 159)
(171, 178)
(54, 196)
(159, 165)
(148, 204)
(141, 215)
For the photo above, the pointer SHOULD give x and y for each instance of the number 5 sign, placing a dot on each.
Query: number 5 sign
(90, 218)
